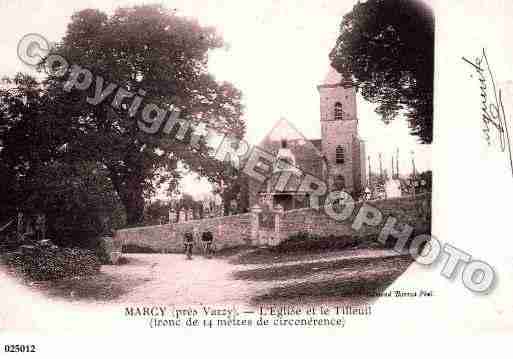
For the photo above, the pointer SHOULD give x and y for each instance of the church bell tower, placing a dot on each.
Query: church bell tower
(341, 146)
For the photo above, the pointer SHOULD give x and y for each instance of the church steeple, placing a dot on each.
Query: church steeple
(333, 77)
(339, 130)
(338, 98)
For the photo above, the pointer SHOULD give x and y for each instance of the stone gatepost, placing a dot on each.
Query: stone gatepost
(278, 217)
(196, 235)
(255, 224)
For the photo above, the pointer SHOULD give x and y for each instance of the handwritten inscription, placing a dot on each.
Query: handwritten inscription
(493, 116)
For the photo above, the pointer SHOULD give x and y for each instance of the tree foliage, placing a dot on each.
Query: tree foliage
(387, 48)
(156, 212)
(39, 175)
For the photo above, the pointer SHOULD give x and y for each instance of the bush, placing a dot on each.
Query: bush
(391, 241)
(49, 263)
(134, 248)
(8, 244)
(310, 242)
(102, 252)
(104, 247)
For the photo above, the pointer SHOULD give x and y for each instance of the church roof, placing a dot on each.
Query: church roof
(333, 78)
(307, 153)
(283, 129)
(317, 144)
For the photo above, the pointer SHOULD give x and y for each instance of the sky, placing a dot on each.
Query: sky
(276, 53)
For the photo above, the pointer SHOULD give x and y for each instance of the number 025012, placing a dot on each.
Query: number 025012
(20, 348)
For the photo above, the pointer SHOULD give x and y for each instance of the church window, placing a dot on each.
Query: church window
(340, 155)
(283, 143)
(339, 113)
(339, 183)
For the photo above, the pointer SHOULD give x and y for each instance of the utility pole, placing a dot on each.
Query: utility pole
(380, 167)
(369, 162)
(414, 180)
(397, 163)
(413, 164)
(392, 166)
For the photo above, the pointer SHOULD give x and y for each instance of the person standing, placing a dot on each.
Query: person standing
(207, 240)
(188, 244)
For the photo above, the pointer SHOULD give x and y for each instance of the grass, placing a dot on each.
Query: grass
(352, 290)
(273, 256)
(297, 271)
(299, 249)
(100, 287)
(316, 278)
(354, 281)
(97, 287)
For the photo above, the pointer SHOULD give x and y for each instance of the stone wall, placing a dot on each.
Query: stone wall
(246, 228)
(415, 212)
(228, 231)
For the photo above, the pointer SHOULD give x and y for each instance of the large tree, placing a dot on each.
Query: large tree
(386, 47)
(39, 175)
(151, 49)
(26, 145)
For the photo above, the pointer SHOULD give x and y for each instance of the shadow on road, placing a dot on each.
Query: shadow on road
(296, 271)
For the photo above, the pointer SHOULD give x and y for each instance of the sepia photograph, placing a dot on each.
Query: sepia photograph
(131, 175)
(228, 164)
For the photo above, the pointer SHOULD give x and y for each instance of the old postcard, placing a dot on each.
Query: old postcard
(207, 175)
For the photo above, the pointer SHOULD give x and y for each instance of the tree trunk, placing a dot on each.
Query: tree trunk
(131, 194)
(134, 206)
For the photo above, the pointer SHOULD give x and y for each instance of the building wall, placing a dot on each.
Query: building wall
(331, 94)
(363, 165)
(359, 165)
(244, 229)
(228, 231)
(308, 160)
(322, 164)
(404, 209)
(336, 133)
(254, 188)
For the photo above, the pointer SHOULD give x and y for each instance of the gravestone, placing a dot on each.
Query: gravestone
(182, 216)
(206, 208)
(393, 188)
(172, 216)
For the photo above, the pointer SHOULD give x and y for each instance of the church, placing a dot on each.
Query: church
(337, 158)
